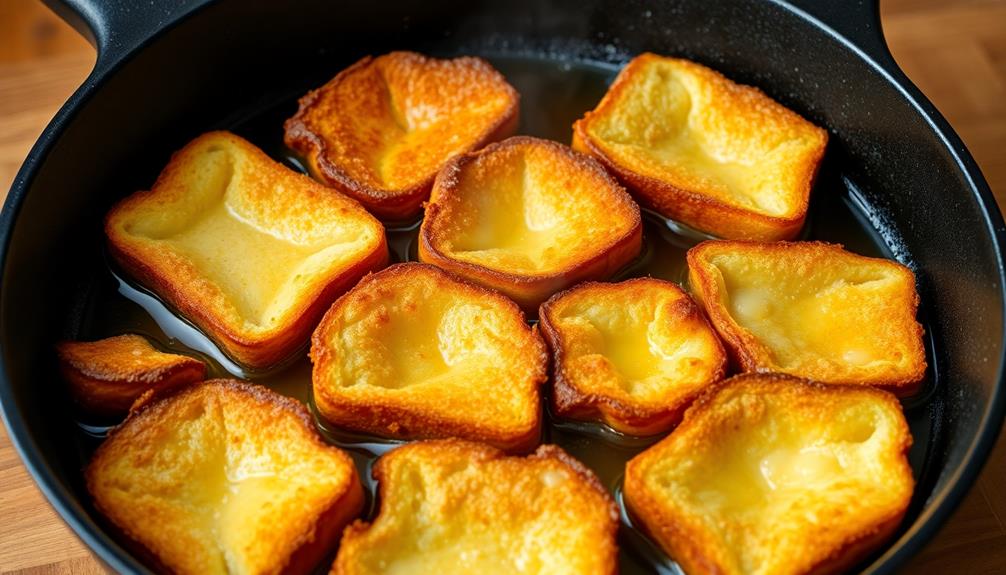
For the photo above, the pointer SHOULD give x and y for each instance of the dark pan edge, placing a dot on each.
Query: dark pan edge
(927, 524)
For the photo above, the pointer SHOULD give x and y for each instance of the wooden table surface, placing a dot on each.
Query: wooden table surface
(955, 51)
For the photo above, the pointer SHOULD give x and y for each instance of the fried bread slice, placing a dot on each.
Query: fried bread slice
(812, 310)
(382, 128)
(632, 354)
(529, 218)
(106, 376)
(251, 252)
(225, 477)
(694, 146)
(414, 352)
(452, 506)
(770, 474)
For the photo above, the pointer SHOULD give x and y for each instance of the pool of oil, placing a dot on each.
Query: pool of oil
(553, 95)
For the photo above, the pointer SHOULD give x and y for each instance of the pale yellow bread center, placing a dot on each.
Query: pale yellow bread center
(420, 339)
(243, 230)
(451, 510)
(794, 472)
(219, 481)
(682, 123)
(773, 480)
(640, 345)
(842, 317)
(414, 339)
(530, 209)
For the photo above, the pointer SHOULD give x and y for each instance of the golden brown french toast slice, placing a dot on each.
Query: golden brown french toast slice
(632, 354)
(251, 252)
(225, 477)
(106, 376)
(382, 128)
(773, 475)
(698, 148)
(529, 217)
(812, 310)
(451, 506)
(414, 352)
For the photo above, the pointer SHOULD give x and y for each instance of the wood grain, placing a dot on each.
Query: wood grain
(955, 51)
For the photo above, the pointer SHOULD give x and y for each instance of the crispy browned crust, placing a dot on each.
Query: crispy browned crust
(704, 213)
(328, 531)
(682, 537)
(691, 205)
(592, 493)
(332, 160)
(749, 354)
(271, 412)
(607, 257)
(176, 280)
(106, 376)
(572, 400)
(388, 413)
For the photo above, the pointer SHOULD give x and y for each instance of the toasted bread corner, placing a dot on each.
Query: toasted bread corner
(479, 511)
(812, 310)
(529, 217)
(414, 352)
(224, 476)
(698, 148)
(248, 250)
(632, 354)
(382, 128)
(106, 376)
(769, 473)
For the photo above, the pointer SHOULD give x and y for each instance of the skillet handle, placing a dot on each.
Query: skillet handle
(117, 27)
(858, 21)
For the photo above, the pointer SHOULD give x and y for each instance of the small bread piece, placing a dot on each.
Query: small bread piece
(106, 376)
(632, 354)
(529, 218)
(773, 475)
(248, 250)
(382, 128)
(690, 144)
(414, 352)
(458, 507)
(225, 477)
(812, 310)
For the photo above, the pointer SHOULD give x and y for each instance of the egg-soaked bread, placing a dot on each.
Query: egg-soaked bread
(632, 354)
(698, 148)
(529, 218)
(250, 251)
(106, 376)
(457, 507)
(414, 352)
(382, 128)
(225, 477)
(812, 310)
(774, 475)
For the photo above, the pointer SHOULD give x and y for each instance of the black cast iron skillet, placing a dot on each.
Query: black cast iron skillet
(169, 71)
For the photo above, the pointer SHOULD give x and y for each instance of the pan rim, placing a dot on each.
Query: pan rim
(941, 503)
